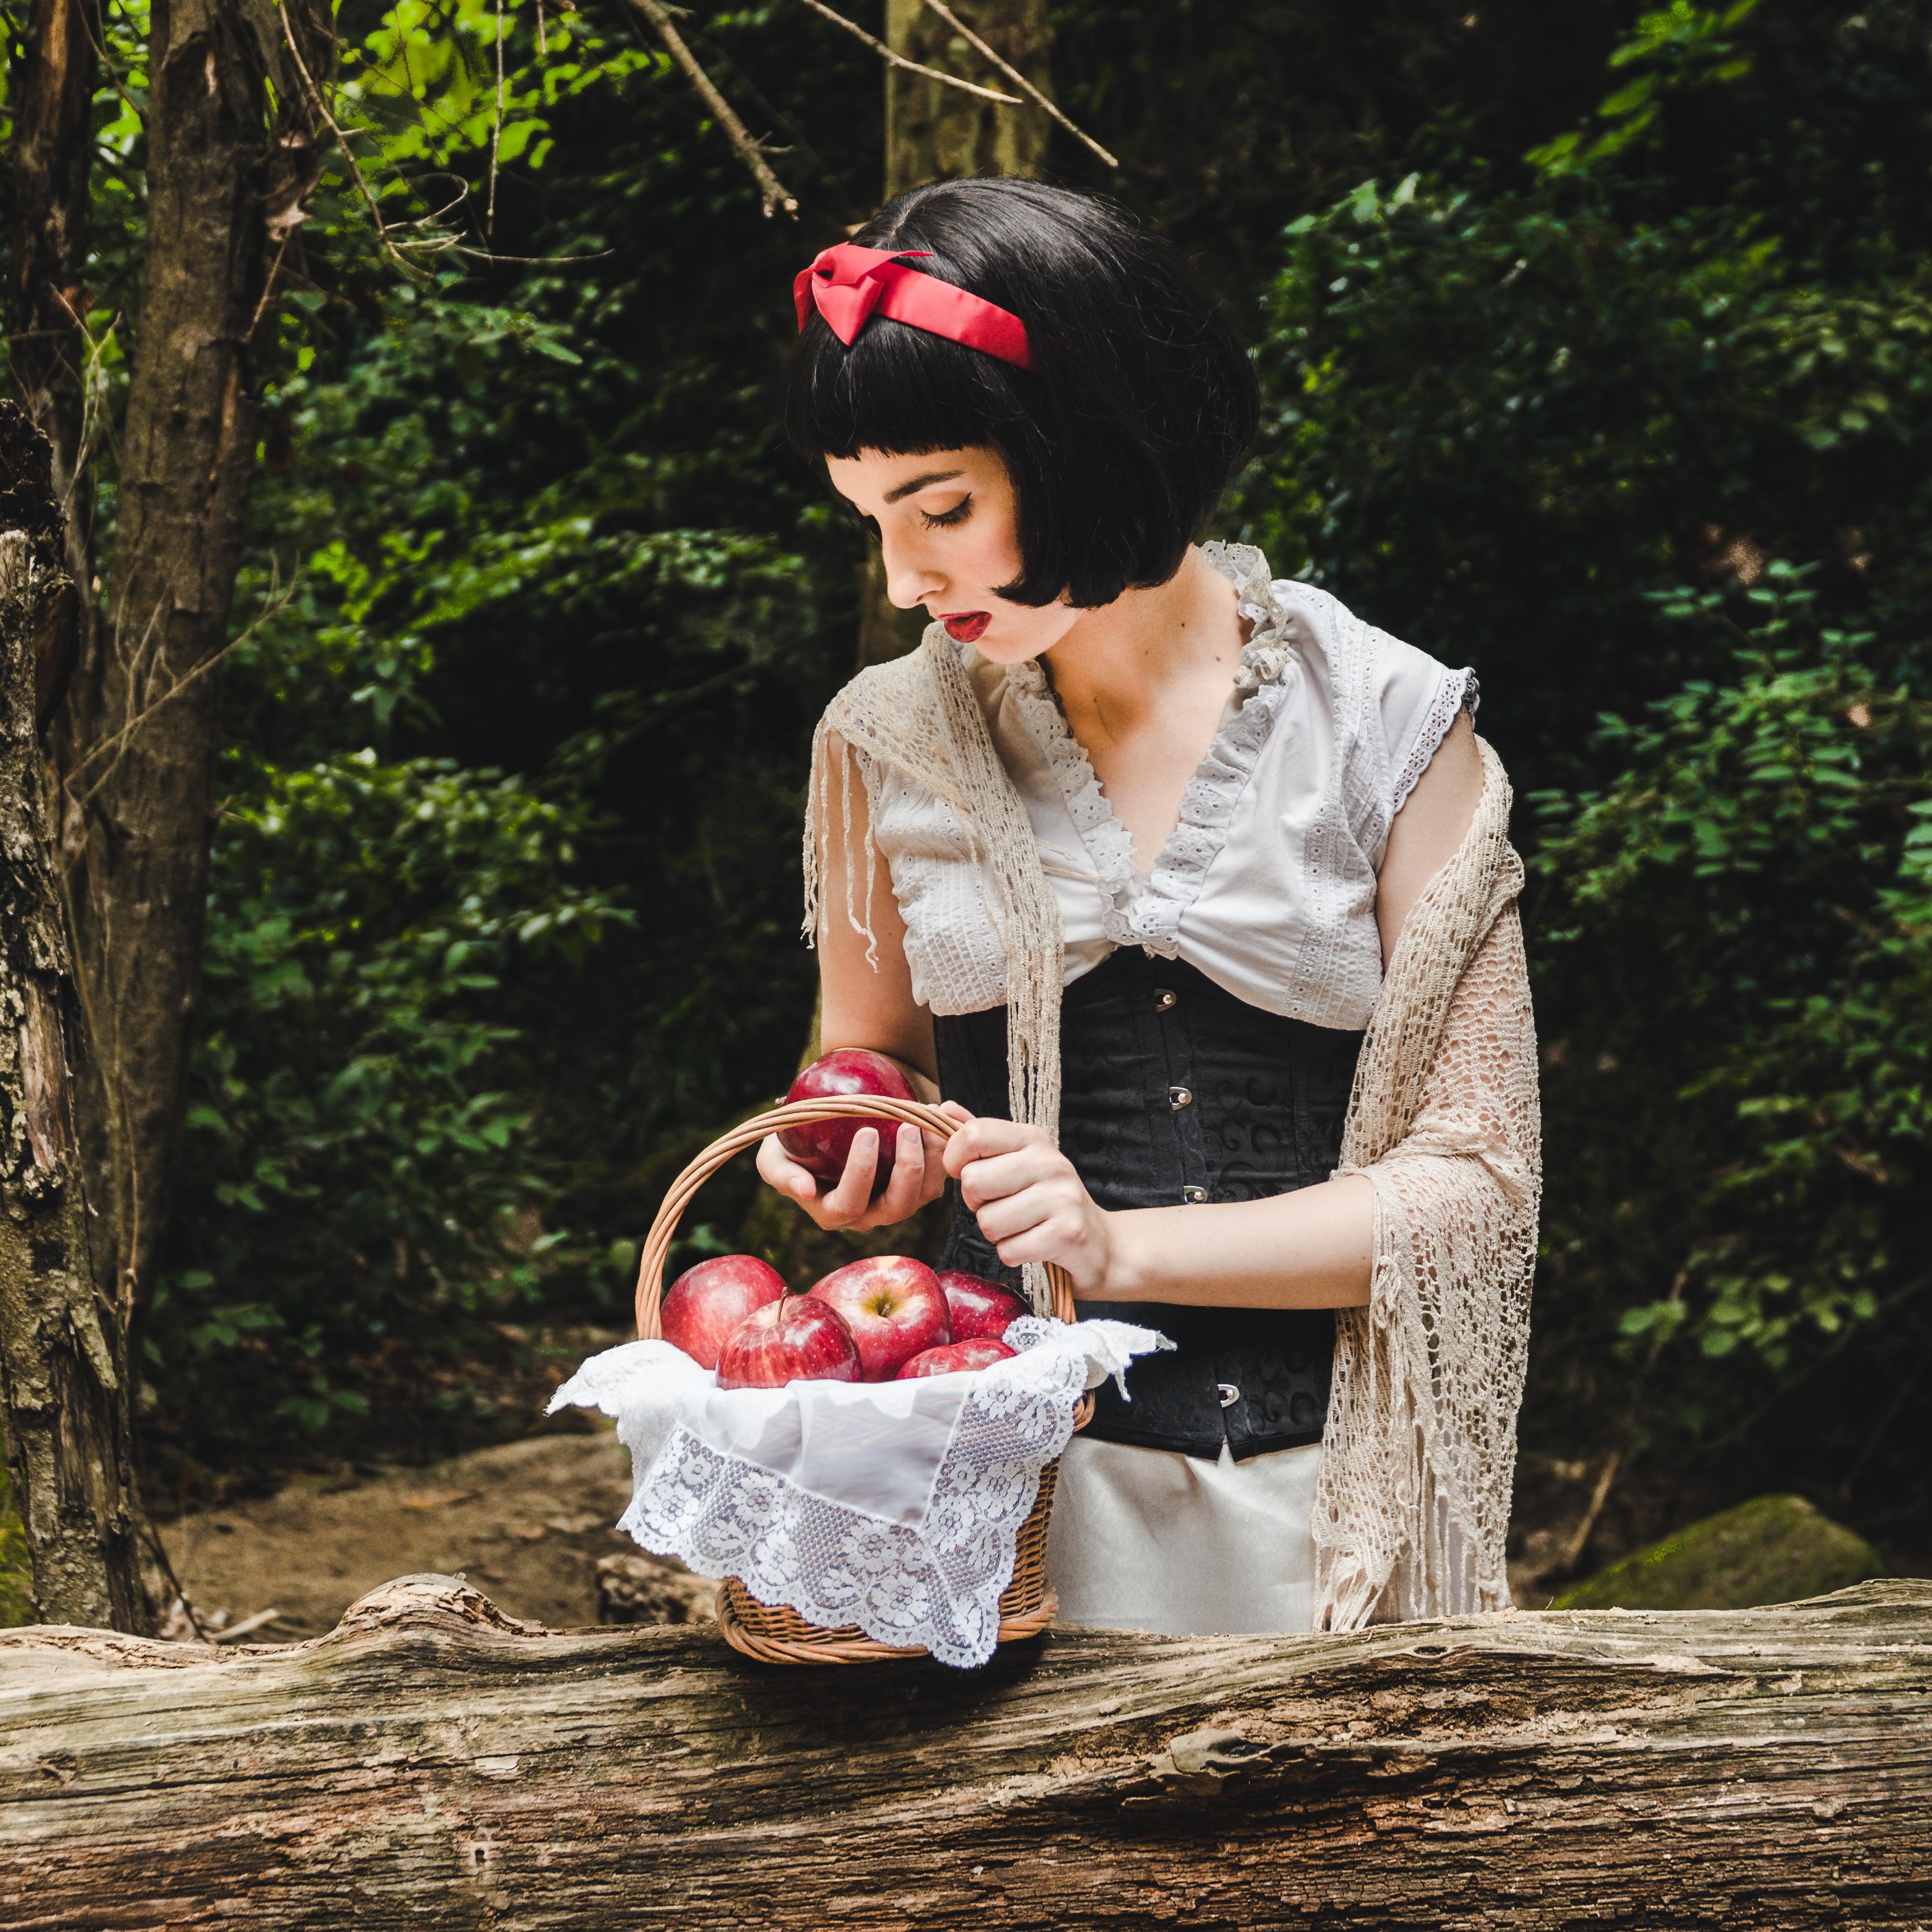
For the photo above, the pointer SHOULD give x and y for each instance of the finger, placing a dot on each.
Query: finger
(777, 1169)
(1002, 1174)
(1017, 1214)
(1043, 1242)
(907, 1184)
(853, 1193)
(984, 1137)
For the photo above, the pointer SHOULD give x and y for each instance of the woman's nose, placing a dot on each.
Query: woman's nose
(911, 577)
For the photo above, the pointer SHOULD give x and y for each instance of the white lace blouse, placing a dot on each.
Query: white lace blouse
(1267, 884)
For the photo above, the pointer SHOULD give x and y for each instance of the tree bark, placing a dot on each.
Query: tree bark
(63, 1366)
(47, 174)
(935, 133)
(135, 744)
(430, 1763)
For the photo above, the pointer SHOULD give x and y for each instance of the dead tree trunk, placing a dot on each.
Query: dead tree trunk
(63, 1370)
(431, 1764)
(136, 743)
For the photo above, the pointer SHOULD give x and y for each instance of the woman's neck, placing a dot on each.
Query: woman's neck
(1144, 683)
(1139, 654)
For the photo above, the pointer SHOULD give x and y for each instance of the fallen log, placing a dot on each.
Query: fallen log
(431, 1763)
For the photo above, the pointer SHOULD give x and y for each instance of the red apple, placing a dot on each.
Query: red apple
(894, 1306)
(793, 1339)
(821, 1147)
(981, 1353)
(705, 1303)
(978, 1307)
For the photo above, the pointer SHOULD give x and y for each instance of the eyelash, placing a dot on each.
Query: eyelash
(945, 519)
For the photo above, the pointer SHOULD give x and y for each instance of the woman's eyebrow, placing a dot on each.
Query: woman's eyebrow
(931, 476)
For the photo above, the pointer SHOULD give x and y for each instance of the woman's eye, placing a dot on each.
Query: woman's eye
(945, 519)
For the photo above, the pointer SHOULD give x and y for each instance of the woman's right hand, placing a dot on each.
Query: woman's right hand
(918, 1176)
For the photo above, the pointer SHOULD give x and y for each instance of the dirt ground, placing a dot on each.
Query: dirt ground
(526, 1522)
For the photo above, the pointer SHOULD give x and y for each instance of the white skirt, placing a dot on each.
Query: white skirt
(1148, 1539)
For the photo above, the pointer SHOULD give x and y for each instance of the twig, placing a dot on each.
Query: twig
(174, 1583)
(321, 105)
(453, 248)
(1579, 1540)
(270, 288)
(114, 744)
(896, 59)
(235, 1633)
(1018, 79)
(773, 190)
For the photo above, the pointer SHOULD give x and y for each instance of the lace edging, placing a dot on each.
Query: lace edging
(1104, 837)
(1207, 805)
(1459, 689)
(1152, 918)
(836, 1562)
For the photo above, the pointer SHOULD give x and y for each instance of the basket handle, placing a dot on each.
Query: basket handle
(749, 1134)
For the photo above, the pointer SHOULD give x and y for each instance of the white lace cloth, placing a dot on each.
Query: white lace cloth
(1268, 883)
(895, 1506)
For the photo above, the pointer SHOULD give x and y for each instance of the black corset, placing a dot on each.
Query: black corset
(1173, 1090)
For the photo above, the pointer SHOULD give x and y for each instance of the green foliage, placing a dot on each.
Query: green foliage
(1766, 850)
(1677, 48)
(358, 1162)
(539, 618)
(1512, 415)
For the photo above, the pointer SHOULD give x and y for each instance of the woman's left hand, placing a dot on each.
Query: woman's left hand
(1031, 1204)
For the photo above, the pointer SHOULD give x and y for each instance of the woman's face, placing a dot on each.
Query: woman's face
(948, 527)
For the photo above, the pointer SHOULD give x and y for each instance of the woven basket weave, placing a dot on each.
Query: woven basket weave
(774, 1634)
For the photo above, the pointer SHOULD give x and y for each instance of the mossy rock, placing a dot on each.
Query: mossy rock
(1774, 1549)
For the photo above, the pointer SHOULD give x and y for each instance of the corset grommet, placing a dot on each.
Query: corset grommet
(1193, 1194)
(1163, 998)
(1230, 1395)
(1178, 1097)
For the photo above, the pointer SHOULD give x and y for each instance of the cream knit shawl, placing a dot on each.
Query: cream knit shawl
(1420, 1450)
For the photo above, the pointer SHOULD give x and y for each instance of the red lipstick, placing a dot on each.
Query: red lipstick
(967, 627)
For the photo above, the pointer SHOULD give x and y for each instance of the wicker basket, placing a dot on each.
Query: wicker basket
(774, 1634)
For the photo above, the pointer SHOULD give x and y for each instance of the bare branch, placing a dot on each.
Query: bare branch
(321, 105)
(774, 192)
(895, 59)
(1018, 79)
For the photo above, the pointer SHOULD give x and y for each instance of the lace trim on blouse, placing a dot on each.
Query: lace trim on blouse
(1147, 910)
(1460, 691)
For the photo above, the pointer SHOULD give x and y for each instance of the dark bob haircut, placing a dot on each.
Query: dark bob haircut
(1121, 439)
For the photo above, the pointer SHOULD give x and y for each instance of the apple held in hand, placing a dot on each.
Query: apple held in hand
(820, 1148)
(705, 1303)
(979, 1308)
(981, 1353)
(894, 1306)
(792, 1340)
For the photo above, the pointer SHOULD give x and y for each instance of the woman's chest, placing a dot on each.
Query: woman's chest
(1265, 882)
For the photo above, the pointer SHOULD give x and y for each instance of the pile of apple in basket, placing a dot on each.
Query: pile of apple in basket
(868, 1466)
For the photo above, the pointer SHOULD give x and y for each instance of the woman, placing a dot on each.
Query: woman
(1154, 826)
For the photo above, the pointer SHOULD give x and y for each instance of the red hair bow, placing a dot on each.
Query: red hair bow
(847, 283)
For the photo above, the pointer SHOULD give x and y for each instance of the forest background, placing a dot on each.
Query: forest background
(1593, 343)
